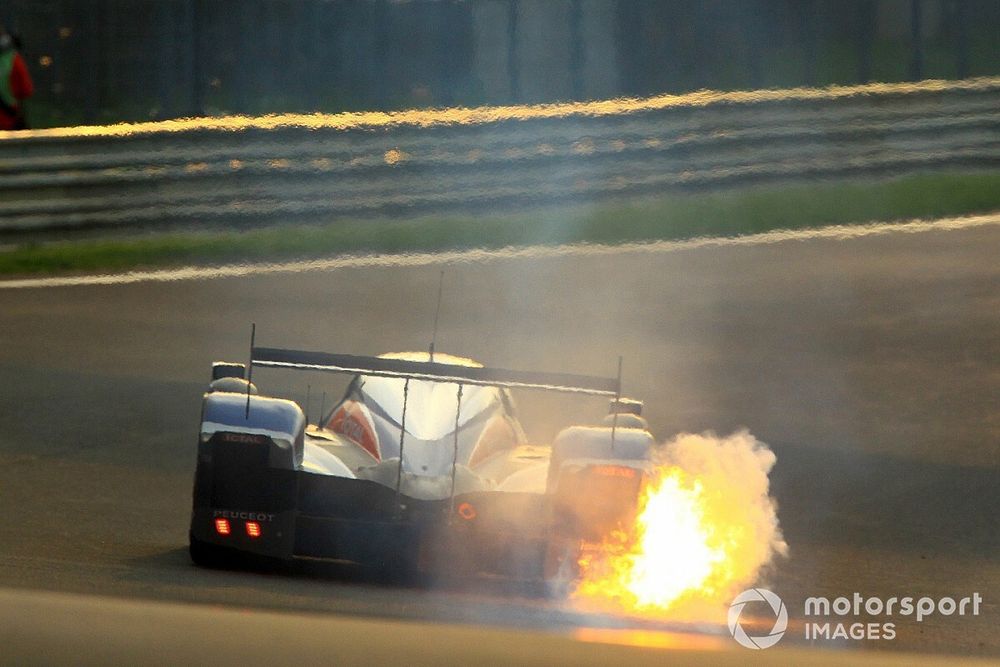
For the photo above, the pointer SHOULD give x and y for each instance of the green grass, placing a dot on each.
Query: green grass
(675, 216)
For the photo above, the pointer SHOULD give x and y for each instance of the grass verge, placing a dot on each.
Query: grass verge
(674, 216)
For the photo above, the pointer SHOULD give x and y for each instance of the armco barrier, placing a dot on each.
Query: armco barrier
(245, 171)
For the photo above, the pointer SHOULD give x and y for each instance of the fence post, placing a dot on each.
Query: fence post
(576, 48)
(917, 40)
(866, 19)
(962, 37)
(512, 67)
(196, 17)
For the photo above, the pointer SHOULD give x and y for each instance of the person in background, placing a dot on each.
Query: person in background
(15, 84)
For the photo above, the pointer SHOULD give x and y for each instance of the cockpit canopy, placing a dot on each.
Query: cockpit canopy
(371, 415)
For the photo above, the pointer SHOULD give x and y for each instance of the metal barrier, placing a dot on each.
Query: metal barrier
(244, 171)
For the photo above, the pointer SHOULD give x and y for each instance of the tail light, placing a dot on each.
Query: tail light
(222, 526)
(614, 471)
(592, 500)
(253, 529)
(467, 511)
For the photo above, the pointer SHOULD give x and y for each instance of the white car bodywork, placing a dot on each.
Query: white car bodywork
(493, 453)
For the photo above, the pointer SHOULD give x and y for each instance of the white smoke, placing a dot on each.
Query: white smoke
(733, 471)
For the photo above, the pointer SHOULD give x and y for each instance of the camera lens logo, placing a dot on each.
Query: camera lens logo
(780, 621)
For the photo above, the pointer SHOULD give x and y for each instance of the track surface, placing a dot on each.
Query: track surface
(869, 365)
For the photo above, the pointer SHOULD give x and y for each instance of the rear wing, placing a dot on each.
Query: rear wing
(269, 357)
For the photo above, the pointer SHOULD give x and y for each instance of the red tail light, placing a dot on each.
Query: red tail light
(253, 529)
(222, 526)
(614, 471)
(467, 511)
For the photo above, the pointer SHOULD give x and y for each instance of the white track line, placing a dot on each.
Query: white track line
(836, 232)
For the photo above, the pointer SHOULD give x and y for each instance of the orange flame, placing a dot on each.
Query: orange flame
(682, 547)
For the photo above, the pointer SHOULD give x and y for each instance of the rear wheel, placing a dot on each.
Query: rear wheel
(561, 568)
(205, 554)
(398, 569)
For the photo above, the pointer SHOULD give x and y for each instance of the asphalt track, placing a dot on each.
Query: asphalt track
(870, 365)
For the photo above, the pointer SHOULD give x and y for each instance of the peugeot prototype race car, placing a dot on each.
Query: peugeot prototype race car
(421, 468)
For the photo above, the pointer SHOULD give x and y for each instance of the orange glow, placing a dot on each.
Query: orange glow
(467, 511)
(222, 526)
(677, 641)
(614, 471)
(253, 529)
(394, 156)
(684, 547)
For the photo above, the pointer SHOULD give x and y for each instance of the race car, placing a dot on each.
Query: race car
(421, 468)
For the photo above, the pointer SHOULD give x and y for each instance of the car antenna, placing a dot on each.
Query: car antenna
(308, 392)
(437, 312)
(618, 398)
(253, 335)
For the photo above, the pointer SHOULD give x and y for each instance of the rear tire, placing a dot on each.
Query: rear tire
(215, 557)
(205, 554)
(561, 568)
(398, 570)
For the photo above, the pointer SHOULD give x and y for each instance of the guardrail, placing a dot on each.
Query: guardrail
(239, 171)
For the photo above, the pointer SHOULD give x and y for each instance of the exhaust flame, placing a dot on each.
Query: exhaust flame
(704, 530)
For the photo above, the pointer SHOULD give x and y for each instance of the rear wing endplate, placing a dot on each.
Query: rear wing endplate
(269, 357)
